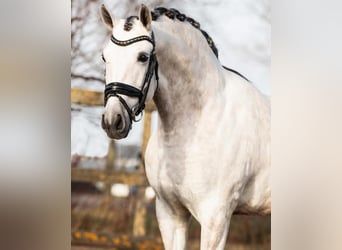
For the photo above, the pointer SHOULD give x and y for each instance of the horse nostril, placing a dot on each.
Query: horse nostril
(119, 123)
(103, 124)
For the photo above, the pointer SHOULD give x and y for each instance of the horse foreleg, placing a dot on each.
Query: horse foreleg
(214, 237)
(214, 230)
(173, 226)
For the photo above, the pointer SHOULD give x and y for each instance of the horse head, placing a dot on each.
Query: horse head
(131, 70)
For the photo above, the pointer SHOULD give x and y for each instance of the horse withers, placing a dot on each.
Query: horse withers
(210, 154)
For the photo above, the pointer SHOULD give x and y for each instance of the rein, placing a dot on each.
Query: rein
(118, 88)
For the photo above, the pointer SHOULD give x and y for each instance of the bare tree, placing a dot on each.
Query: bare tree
(85, 34)
(88, 36)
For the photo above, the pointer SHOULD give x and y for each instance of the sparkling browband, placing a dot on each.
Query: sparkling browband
(130, 41)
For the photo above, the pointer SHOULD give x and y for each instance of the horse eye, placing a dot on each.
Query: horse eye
(103, 58)
(142, 57)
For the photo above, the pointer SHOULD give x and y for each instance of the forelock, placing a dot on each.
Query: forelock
(129, 22)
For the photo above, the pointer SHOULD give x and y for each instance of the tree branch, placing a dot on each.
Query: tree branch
(87, 78)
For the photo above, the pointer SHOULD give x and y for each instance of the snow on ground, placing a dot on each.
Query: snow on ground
(241, 30)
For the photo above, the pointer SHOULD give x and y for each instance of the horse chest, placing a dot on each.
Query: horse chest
(179, 195)
(171, 177)
(172, 180)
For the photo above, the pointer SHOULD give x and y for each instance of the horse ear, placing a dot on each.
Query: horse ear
(145, 16)
(106, 17)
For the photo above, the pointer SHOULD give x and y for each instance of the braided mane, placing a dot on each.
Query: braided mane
(173, 13)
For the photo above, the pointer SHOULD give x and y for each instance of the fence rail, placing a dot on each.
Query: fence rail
(108, 177)
(95, 98)
(86, 97)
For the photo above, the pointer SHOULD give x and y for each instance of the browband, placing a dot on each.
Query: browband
(132, 40)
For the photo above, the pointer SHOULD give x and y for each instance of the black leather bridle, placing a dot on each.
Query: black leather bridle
(118, 88)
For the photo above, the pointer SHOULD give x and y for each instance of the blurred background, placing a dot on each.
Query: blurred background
(111, 203)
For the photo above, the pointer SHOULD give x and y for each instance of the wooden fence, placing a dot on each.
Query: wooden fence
(121, 242)
(108, 177)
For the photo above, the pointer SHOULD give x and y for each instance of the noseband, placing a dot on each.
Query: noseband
(118, 88)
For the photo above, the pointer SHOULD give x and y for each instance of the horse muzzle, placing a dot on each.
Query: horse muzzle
(115, 120)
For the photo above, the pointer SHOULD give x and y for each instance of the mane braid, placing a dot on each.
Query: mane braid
(173, 13)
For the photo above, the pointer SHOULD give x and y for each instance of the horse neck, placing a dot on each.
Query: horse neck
(190, 75)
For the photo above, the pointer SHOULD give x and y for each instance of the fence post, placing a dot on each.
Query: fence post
(147, 132)
(140, 214)
(139, 222)
(109, 167)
